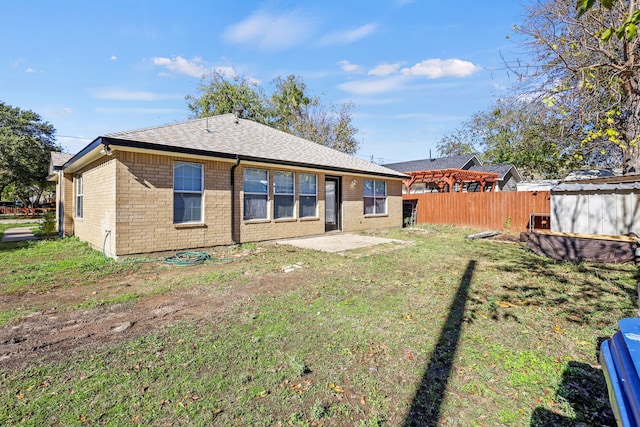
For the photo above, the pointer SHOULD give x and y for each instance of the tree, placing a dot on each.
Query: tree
(586, 67)
(219, 95)
(461, 141)
(332, 128)
(289, 103)
(517, 131)
(289, 108)
(26, 142)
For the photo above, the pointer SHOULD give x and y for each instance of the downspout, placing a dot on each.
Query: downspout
(233, 198)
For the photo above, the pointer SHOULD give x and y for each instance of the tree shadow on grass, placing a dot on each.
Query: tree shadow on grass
(426, 407)
(581, 292)
(585, 390)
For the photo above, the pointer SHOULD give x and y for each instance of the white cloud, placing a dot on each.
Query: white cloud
(368, 87)
(271, 32)
(384, 69)
(436, 68)
(349, 67)
(119, 94)
(180, 65)
(114, 58)
(349, 36)
(29, 70)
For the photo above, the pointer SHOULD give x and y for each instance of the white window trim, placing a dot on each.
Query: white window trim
(315, 195)
(201, 192)
(292, 195)
(374, 197)
(268, 207)
(78, 189)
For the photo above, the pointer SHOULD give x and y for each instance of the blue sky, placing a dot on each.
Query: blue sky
(413, 69)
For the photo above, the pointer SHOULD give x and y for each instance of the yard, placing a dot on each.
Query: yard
(442, 330)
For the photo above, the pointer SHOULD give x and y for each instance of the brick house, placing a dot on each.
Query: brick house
(217, 181)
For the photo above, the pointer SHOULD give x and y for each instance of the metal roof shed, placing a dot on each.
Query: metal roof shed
(608, 207)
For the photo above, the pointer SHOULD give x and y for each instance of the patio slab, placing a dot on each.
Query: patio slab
(337, 242)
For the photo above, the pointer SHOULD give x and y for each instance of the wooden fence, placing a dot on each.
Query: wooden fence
(16, 211)
(500, 211)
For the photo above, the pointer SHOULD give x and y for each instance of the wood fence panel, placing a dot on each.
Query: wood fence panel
(506, 210)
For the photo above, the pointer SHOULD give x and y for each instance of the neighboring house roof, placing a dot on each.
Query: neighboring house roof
(59, 159)
(57, 162)
(582, 186)
(453, 162)
(502, 169)
(538, 185)
(226, 136)
(588, 174)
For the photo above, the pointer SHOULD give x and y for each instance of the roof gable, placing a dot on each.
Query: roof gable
(502, 169)
(229, 136)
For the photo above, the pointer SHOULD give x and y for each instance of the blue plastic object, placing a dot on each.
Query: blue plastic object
(620, 360)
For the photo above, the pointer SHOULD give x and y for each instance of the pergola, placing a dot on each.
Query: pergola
(445, 179)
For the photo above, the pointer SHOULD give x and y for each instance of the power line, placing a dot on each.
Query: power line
(74, 137)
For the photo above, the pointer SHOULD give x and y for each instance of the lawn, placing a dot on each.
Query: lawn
(442, 331)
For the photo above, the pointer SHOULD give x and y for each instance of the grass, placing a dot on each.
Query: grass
(444, 331)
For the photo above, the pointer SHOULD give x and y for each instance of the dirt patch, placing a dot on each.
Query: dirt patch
(53, 334)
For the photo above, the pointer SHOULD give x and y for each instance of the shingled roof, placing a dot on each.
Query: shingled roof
(500, 168)
(453, 162)
(229, 137)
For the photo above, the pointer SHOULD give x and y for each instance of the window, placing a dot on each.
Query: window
(283, 194)
(187, 192)
(256, 193)
(308, 195)
(79, 196)
(375, 197)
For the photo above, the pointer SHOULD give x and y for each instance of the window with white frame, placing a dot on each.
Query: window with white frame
(308, 196)
(79, 196)
(256, 193)
(283, 195)
(188, 183)
(375, 197)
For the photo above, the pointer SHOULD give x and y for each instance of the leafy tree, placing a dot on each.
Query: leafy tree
(332, 128)
(219, 95)
(289, 103)
(586, 67)
(289, 108)
(526, 134)
(26, 142)
(461, 141)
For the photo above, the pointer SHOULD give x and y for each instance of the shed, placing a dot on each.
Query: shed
(609, 206)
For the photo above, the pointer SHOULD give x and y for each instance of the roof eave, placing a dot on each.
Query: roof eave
(76, 161)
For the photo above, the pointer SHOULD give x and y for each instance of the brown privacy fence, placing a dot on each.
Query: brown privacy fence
(507, 211)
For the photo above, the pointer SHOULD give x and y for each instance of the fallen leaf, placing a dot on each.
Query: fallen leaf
(336, 388)
(505, 304)
(363, 400)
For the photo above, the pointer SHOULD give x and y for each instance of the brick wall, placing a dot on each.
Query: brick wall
(144, 206)
(128, 206)
(98, 206)
(353, 205)
(352, 212)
